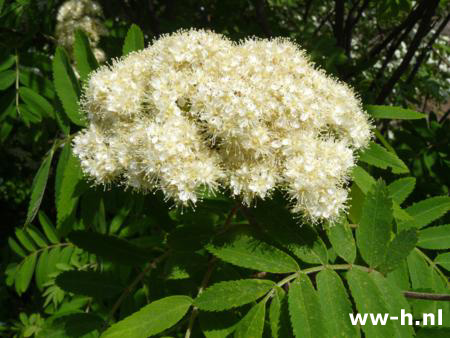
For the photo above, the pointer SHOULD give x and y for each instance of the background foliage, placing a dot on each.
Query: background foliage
(83, 261)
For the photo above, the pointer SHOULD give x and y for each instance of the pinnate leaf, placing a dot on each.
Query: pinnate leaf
(341, 238)
(67, 86)
(305, 309)
(334, 300)
(443, 260)
(88, 283)
(379, 157)
(373, 232)
(25, 273)
(84, 58)
(134, 40)
(390, 112)
(426, 211)
(400, 189)
(109, 247)
(151, 319)
(399, 249)
(230, 294)
(38, 187)
(252, 325)
(437, 237)
(368, 299)
(243, 249)
(36, 102)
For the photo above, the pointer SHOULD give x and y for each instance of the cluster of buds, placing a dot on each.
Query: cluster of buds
(85, 15)
(196, 110)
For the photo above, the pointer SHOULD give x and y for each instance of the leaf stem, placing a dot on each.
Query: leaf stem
(129, 288)
(17, 83)
(208, 273)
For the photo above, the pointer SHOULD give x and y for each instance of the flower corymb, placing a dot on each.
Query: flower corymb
(196, 109)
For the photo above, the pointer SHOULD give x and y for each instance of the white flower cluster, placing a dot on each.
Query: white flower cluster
(196, 110)
(80, 14)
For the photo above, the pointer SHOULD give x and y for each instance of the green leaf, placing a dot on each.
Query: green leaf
(25, 273)
(151, 319)
(424, 278)
(67, 199)
(426, 211)
(379, 157)
(399, 249)
(437, 238)
(373, 232)
(443, 260)
(84, 58)
(109, 247)
(305, 310)
(67, 86)
(218, 324)
(88, 283)
(334, 300)
(41, 275)
(279, 226)
(230, 294)
(252, 325)
(25, 240)
(71, 325)
(49, 228)
(7, 78)
(279, 314)
(362, 179)
(134, 40)
(395, 303)
(36, 102)
(400, 189)
(357, 200)
(368, 299)
(434, 332)
(7, 60)
(37, 236)
(389, 112)
(16, 247)
(38, 187)
(246, 251)
(341, 238)
(400, 276)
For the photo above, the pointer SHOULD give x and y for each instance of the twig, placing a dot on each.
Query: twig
(418, 37)
(428, 48)
(208, 273)
(133, 284)
(426, 295)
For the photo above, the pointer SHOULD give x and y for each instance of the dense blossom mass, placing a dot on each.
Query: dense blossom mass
(197, 110)
(80, 14)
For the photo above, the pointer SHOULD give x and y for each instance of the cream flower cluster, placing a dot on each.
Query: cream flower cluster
(196, 110)
(80, 14)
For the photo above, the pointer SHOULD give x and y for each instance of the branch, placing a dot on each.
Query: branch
(135, 282)
(208, 273)
(412, 18)
(421, 32)
(428, 48)
(426, 295)
(338, 27)
(260, 6)
(390, 53)
(305, 14)
(351, 23)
